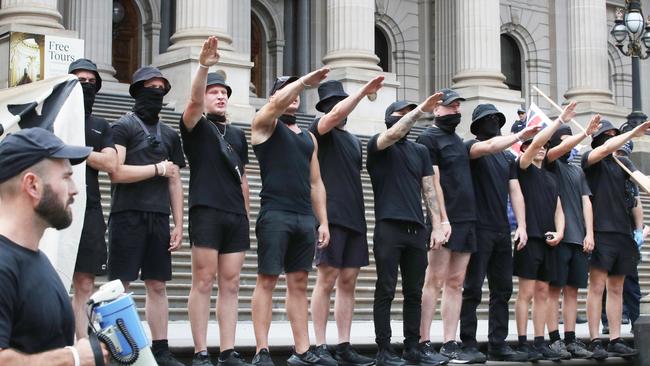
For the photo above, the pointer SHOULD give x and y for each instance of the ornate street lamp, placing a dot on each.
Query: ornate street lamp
(631, 24)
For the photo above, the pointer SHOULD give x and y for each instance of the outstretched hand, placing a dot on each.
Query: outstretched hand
(641, 129)
(529, 132)
(315, 77)
(373, 85)
(593, 125)
(568, 112)
(431, 102)
(209, 52)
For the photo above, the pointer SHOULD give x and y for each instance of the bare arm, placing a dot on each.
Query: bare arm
(438, 236)
(611, 145)
(587, 212)
(196, 104)
(245, 190)
(347, 105)
(104, 160)
(570, 142)
(136, 173)
(265, 119)
(519, 208)
(319, 197)
(500, 143)
(558, 234)
(542, 138)
(404, 125)
(176, 200)
(57, 357)
(637, 214)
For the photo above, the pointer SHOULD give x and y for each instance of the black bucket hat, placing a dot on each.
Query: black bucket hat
(605, 126)
(143, 74)
(398, 106)
(484, 110)
(215, 78)
(281, 82)
(449, 96)
(563, 130)
(327, 90)
(87, 65)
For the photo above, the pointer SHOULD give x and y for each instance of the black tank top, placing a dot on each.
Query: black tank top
(285, 160)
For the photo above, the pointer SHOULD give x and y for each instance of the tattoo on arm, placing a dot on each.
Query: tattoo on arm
(430, 199)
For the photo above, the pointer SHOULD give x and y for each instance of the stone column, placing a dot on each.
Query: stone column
(94, 22)
(196, 20)
(478, 75)
(40, 13)
(351, 56)
(445, 43)
(587, 33)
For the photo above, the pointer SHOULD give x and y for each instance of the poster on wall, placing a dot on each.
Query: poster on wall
(35, 57)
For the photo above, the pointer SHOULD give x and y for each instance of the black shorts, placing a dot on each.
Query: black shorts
(615, 253)
(535, 261)
(347, 249)
(285, 242)
(571, 266)
(463, 237)
(92, 254)
(226, 232)
(139, 243)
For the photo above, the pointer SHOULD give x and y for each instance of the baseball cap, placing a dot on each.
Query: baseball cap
(398, 106)
(449, 96)
(281, 82)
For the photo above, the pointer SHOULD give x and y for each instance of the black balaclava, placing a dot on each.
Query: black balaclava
(329, 104)
(600, 140)
(556, 140)
(89, 90)
(288, 119)
(216, 117)
(448, 123)
(390, 122)
(148, 103)
(488, 127)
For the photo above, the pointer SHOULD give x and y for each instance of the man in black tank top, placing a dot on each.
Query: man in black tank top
(92, 254)
(291, 184)
(340, 158)
(218, 199)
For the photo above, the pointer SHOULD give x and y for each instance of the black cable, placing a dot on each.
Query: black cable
(135, 351)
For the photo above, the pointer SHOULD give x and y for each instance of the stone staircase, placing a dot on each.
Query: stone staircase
(112, 107)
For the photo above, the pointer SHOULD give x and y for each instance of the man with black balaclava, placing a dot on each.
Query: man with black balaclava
(92, 254)
(218, 199)
(615, 253)
(401, 168)
(494, 179)
(293, 203)
(146, 184)
(571, 255)
(340, 158)
(447, 266)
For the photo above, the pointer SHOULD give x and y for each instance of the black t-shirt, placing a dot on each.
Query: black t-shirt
(149, 195)
(490, 177)
(211, 182)
(285, 166)
(540, 190)
(98, 136)
(607, 182)
(396, 174)
(450, 154)
(35, 311)
(573, 185)
(339, 156)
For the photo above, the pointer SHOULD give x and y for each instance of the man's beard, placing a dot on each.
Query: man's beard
(52, 211)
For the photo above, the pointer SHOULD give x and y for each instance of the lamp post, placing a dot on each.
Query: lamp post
(630, 24)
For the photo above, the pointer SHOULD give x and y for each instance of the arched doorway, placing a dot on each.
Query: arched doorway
(511, 62)
(382, 49)
(257, 57)
(126, 47)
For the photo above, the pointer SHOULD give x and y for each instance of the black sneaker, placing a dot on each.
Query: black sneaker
(233, 359)
(325, 356)
(533, 355)
(430, 355)
(605, 328)
(306, 359)
(417, 356)
(454, 352)
(625, 319)
(621, 349)
(505, 353)
(547, 352)
(201, 359)
(578, 349)
(165, 358)
(560, 348)
(597, 350)
(345, 355)
(388, 357)
(263, 358)
(581, 319)
(474, 355)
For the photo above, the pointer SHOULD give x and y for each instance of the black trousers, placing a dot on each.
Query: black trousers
(494, 259)
(399, 244)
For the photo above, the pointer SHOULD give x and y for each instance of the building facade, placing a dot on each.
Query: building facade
(492, 51)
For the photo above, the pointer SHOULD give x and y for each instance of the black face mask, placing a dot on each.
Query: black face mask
(600, 140)
(287, 119)
(89, 97)
(148, 103)
(328, 104)
(390, 122)
(488, 127)
(448, 123)
(221, 118)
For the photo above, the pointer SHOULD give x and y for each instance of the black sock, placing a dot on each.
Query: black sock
(343, 346)
(523, 339)
(554, 335)
(569, 337)
(539, 341)
(225, 354)
(159, 345)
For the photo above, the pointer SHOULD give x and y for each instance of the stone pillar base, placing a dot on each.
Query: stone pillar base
(179, 66)
(641, 158)
(368, 117)
(507, 102)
